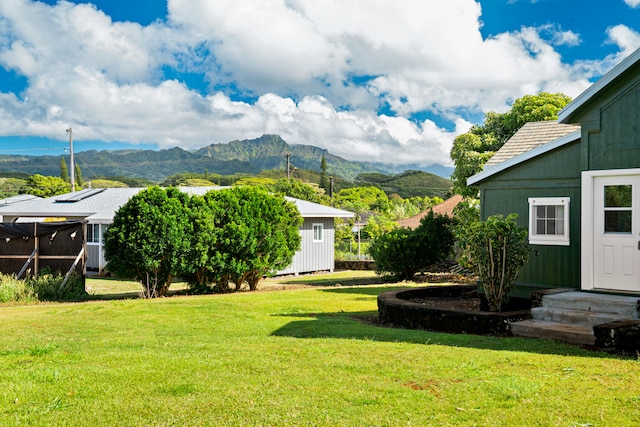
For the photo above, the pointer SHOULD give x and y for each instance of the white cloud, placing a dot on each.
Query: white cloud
(625, 38)
(296, 57)
(632, 3)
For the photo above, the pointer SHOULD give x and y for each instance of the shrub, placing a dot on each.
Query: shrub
(496, 249)
(47, 286)
(402, 252)
(149, 239)
(15, 290)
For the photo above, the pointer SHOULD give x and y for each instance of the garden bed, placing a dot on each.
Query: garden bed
(453, 308)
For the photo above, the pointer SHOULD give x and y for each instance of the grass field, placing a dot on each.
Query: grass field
(294, 357)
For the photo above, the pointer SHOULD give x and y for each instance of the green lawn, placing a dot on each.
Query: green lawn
(294, 357)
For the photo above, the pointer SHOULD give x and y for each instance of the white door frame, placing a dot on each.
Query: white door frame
(587, 221)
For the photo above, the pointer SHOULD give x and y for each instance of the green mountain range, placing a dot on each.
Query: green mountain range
(236, 157)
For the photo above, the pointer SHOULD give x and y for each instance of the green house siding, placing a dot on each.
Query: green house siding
(554, 174)
(611, 127)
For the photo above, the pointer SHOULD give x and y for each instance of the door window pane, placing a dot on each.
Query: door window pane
(618, 208)
(617, 222)
(618, 196)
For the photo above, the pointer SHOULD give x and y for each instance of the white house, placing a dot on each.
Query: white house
(98, 207)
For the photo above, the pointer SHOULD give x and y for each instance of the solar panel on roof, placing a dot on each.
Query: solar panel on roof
(79, 195)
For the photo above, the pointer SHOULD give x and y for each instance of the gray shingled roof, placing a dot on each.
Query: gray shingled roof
(101, 206)
(530, 136)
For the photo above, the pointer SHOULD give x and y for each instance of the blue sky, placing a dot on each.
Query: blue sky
(371, 80)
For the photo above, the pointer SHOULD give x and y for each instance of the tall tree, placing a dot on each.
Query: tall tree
(64, 171)
(78, 176)
(323, 173)
(471, 150)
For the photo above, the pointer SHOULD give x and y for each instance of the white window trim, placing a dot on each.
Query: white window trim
(551, 240)
(313, 230)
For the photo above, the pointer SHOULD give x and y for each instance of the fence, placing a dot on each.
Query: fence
(28, 248)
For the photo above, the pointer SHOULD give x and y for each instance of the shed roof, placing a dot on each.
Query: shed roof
(444, 208)
(528, 137)
(100, 205)
(533, 150)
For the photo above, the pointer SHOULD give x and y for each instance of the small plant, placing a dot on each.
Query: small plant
(495, 249)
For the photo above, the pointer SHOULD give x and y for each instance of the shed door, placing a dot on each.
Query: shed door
(616, 234)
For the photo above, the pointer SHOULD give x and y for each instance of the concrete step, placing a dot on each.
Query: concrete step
(575, 317)
(614, 304)
(572, 334)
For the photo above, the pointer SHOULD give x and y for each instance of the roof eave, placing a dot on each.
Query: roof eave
(567, 113)
(545, 148)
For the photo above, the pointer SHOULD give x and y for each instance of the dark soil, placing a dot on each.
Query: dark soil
(453, 303)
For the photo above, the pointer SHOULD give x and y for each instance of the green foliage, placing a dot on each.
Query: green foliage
(299, 190)
(12, 186)
(47, 186)
(410, 183)
(78, 176)
(197, 182)
(106, 183)
(255, 234)
(47, 286)
(128, 181)
(378, 225)
(149, 239)
(496, 249)
(362, 199)
(471, 150)
(323, 173)
(64, 170)
(403, 252)
(15, 290)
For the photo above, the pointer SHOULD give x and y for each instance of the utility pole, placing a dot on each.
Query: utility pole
(288, 155)
(72, 163)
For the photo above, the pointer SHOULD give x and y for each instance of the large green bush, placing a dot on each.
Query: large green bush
(495, 249)
(149, 239)
(255, 234)
(401, 253)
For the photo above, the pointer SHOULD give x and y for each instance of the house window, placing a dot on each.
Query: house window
(93, 233)
(549, 221)
(317, 232)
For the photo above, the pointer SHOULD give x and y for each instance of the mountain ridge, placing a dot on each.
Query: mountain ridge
(235, 157)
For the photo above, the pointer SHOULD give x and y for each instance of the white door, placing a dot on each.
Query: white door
(616, 233)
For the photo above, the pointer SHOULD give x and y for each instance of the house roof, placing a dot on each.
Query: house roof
(444, 208)
(528, 137)
(99, 205)
(568, 113)
(532, 149)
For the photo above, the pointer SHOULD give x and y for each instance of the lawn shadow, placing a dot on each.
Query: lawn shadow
(364, 326)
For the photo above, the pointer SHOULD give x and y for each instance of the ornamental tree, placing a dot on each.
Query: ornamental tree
(495, 249)
(149, 239)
